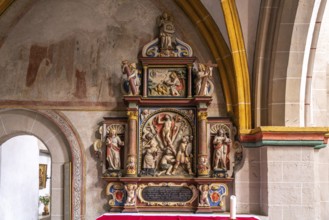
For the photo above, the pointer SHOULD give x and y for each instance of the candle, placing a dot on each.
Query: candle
(232, 207)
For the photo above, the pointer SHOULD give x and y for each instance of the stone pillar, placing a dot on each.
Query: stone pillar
(145, 81)
(189, 78)
(131, 166)
(203, 163)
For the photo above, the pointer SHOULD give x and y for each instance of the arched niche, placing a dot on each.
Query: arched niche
(56, 132)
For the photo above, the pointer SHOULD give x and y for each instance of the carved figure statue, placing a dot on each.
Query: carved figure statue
(173, 82)
(203, 165)
(203, 83)
(204, 191)
(113, 143)
(130, 188)
(166, 163)
(131, 71)
(183, 156)
(131, 165)
(151, 155)
(144, 114)
(167, 30)
(168, 125)
(220, 144)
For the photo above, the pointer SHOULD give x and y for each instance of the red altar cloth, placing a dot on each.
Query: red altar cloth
(171, 217)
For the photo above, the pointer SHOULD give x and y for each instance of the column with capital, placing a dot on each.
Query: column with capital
(131, 166)
(203, 163)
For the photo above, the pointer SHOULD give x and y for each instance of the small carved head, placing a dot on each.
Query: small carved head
(113, 132)
(173, 75)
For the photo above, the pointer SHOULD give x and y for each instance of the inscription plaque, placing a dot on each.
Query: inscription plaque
(167, 194)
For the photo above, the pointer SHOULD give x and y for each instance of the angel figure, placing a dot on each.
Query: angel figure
(132, 72)
(204, 191)
(203, 84)
(130, 188)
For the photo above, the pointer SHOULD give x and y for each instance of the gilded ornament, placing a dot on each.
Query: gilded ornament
(202, 116)
(132, 115)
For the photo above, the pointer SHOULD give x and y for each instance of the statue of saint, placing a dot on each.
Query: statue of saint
(131, 71)
(114, 144)
(203, 85)
(167, 30)
(220, 144)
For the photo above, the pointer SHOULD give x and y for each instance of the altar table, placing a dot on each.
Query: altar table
(170, 217)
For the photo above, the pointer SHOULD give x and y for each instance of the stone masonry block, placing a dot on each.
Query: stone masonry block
(298, 171)
(284, 194)
(284, 153)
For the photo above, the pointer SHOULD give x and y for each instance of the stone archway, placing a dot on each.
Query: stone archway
(58, 134)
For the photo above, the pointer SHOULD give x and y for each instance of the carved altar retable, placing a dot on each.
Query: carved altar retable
(168, 155)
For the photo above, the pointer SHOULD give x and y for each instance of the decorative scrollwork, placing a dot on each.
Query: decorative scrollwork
(216, 127)
(119, 128)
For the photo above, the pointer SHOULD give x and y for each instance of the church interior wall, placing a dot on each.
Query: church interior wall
(66, 56)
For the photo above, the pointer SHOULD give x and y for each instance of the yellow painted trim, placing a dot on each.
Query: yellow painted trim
(195, 10)
(240, 63)
(4, 4)
(286, 130)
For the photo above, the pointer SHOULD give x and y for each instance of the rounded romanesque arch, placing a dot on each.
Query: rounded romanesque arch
(64, 145)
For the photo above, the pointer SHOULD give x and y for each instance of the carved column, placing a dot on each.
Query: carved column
(203, 163)
(131, 166)
(189, 91)
(145, 81)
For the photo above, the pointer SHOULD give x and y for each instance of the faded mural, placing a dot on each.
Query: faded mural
(75, 55)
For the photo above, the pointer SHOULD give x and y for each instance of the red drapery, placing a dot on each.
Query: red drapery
(170, 217)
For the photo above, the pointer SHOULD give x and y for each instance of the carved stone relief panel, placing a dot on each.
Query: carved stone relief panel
(167, 145)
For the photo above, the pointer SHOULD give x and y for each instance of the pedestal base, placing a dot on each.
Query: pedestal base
(203, 209)
(129, 209)
(220, 173)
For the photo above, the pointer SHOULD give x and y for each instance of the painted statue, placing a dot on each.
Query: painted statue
(166, 82)
(183, 156)
(203, 165)
(130, 188)
(132, 72)
(221, 145)
(166, 142)
(204, 192)
(151, 155)
(173, 82)
(166, 163)
(203, 83)
(114, 144)
(167, 131)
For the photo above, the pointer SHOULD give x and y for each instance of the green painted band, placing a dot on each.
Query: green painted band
(315, 144)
